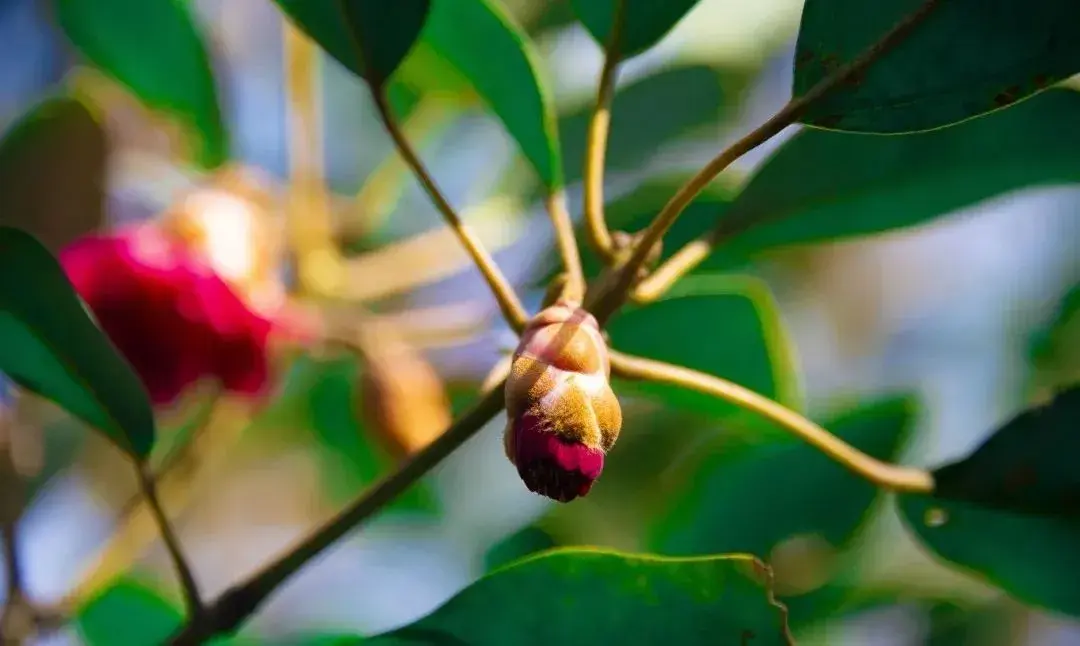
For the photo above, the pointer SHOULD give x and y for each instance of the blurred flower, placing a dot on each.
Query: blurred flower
(562, 414)
(173, 318)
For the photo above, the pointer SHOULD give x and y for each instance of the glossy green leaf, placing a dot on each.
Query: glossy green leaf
(322, 396)
(587, 597)
(1027, 466)
(58, 142)
(742, 339)
(821, 186)
(155, 49)
(129, 613)
(803, 491)
(646, 115)
(949, 68)
(388, 30)
(1055, 348)
(1033, 558)
(644, 22)
(479, 40)
(49, 345)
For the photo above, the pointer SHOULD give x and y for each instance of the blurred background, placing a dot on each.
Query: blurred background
(949, 312)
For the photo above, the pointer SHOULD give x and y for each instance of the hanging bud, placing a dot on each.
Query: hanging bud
(562, 414)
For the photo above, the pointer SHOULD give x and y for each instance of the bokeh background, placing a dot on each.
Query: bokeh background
(949, 312)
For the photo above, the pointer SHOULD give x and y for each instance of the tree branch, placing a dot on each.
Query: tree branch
(192, 599)
(611, 298)
(596, 143)
(887, 476)
(242, 600)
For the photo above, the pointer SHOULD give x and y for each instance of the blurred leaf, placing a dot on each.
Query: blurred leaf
(645, 22)
(588, 597)
(750, 498)
(482, 43)
(327, 397)
(949, 68)
(954, 625)
(50, 346)
(129, 613)
(824, 185)
(525, 542)
(1027, 466)
(741, 339)
(57, 143)
(155, 49)
(388, 30)
(788, 503)
(1055, 349)
(1032, 558)
(645, 115)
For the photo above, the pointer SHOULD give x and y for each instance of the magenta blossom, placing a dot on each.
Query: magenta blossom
(168, 313)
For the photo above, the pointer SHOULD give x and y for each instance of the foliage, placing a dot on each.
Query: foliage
(974, 109)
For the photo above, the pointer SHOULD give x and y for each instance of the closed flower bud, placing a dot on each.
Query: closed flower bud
(563, 416)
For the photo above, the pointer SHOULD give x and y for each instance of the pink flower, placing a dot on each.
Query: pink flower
(168, 313)
(562, 414)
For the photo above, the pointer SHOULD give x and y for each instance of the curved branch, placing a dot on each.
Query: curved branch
(882, 474)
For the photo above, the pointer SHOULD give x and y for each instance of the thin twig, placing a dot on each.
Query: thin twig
(192, 599)
(888, 476)
(509, 303)
(611, 298)
(596, 139)
(240, 601)
(574, 289)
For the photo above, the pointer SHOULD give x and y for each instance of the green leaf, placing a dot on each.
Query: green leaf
(58, 140)
(155, 49)
(130, 613)
(949, 68)
(645, 22)
(525, 542)
(960, 625)
(743, 340)
(1027, 466)
(323, 397)
(821, 186)
(584, 597)
(1055, 349)
(1033, 558)
(749, 498)
(49, 345)
(752, 496)
(388, 29)
(479, 39)
(646, 115)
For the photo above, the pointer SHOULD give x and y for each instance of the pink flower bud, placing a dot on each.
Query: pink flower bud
(169, 314)
(562, 414)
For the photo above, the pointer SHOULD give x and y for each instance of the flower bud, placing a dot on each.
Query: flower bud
(562, 414)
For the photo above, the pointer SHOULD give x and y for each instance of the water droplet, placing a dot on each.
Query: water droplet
(936, 517)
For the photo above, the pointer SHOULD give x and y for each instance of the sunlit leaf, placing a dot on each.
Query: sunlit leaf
(52, 172)
(587, 597)
(742, 340)
(478, 38)
(388, 30)
(1027, 466)
(949, 68)
(154, 48)
(644, 22)
(49, 345)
